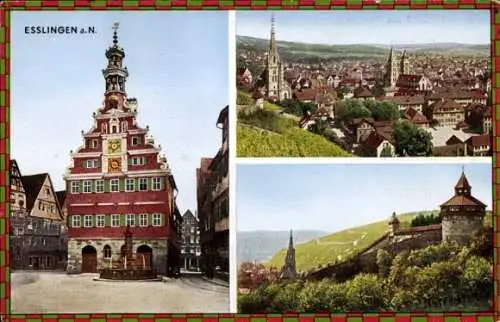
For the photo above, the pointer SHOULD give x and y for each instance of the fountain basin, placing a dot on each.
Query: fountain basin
(123, 274)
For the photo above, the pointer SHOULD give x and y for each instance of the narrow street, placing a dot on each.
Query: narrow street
(81, 294)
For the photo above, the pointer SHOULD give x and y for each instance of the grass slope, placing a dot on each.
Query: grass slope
(341, 245)
(268, 134)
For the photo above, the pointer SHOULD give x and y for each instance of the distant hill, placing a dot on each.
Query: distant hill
(291, 51)
(261, 245)
(343, 244)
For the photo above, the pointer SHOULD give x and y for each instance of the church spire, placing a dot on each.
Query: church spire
(288, 271)
(272, 40)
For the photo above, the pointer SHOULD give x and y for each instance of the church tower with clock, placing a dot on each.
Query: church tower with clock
(118, 179)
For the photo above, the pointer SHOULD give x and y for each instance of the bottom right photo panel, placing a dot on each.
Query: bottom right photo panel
(365, 237)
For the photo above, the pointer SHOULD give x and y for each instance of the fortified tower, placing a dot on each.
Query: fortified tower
(462, 214)
(117, 179)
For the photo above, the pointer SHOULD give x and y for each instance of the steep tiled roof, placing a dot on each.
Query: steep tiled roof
(32, 185)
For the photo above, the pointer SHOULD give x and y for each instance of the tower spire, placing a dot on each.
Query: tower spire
(116, 25)
(288, 270)
(272, 40)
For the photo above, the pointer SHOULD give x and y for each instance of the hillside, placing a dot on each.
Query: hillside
(341, 245)
(261, 245)
(290, 50)
(270, 134)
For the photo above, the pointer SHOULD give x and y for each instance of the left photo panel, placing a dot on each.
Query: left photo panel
(119, 162)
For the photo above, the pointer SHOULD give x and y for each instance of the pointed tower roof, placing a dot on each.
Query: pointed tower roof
(463, 183)
(463, 195)
(394, 219)
(290, 242)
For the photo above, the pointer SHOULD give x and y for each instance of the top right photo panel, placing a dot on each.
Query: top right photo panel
(364, 84)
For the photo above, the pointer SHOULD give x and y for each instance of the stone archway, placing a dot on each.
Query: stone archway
(144, 257)
(89, 259)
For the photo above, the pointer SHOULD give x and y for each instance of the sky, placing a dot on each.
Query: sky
(335, 197)
(370, 27)
(181, 86)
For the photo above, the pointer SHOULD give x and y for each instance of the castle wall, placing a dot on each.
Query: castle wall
(75, 246)
(461, 228)
(366, 262)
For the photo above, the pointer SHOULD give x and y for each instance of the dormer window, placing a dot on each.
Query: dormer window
(104, 128)
(94, 144)
(114, 129)
(136, 140)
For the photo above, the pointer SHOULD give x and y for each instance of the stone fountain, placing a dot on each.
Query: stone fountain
(127, 269)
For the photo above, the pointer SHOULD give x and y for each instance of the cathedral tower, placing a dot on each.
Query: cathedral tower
(273, 75)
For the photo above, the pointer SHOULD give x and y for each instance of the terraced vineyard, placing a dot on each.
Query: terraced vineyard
(343, 244)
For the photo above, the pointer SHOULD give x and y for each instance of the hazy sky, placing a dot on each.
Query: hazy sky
(370, 27)
(180, 85)
(337, 197)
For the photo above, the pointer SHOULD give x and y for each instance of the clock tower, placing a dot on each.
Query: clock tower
(118, 179)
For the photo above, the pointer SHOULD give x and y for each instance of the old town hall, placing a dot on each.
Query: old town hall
(117, 179)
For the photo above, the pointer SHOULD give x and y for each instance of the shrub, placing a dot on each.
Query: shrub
(243, 98)
(286, 299)
(365, 293)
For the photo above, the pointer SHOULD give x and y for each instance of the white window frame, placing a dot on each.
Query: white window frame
(156, 183)
(127, 182)
(130, 220)
(85, 221)
(76, 221)
(141, 182)
(117, 185)
(99, 184)
(156, 220)
(92, 164)
(84, 186)
(115, 220)
(100, 221)
(75, 187)
(138, 161)
(143, 220)
(94, 143)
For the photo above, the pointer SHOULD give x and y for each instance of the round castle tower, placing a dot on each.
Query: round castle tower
(462, 214)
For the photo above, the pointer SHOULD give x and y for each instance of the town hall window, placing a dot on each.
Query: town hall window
(131, 220)
(136, 140)
(100, 221)
(156, 219)
(143, 220)
(115, 220)
(156, 183)
(115, 185)
(75, 221)
(94, 143)
(143, 184)
(87, 186)
(75, 186)
(130, 185)
(87, 221)
(99, 186)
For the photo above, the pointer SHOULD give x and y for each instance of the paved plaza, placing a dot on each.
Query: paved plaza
(48, 292)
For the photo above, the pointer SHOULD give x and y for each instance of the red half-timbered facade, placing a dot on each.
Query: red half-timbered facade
(116, 179)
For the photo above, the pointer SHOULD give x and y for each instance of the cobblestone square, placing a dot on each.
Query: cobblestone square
(48, 292)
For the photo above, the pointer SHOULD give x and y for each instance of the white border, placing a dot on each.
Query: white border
(233, 268)
(360, 160)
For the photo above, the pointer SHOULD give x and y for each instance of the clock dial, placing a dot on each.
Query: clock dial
(114, 146)
(114, 165)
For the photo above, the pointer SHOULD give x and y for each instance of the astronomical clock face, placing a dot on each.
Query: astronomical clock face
(115, 165)
(114, 146)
